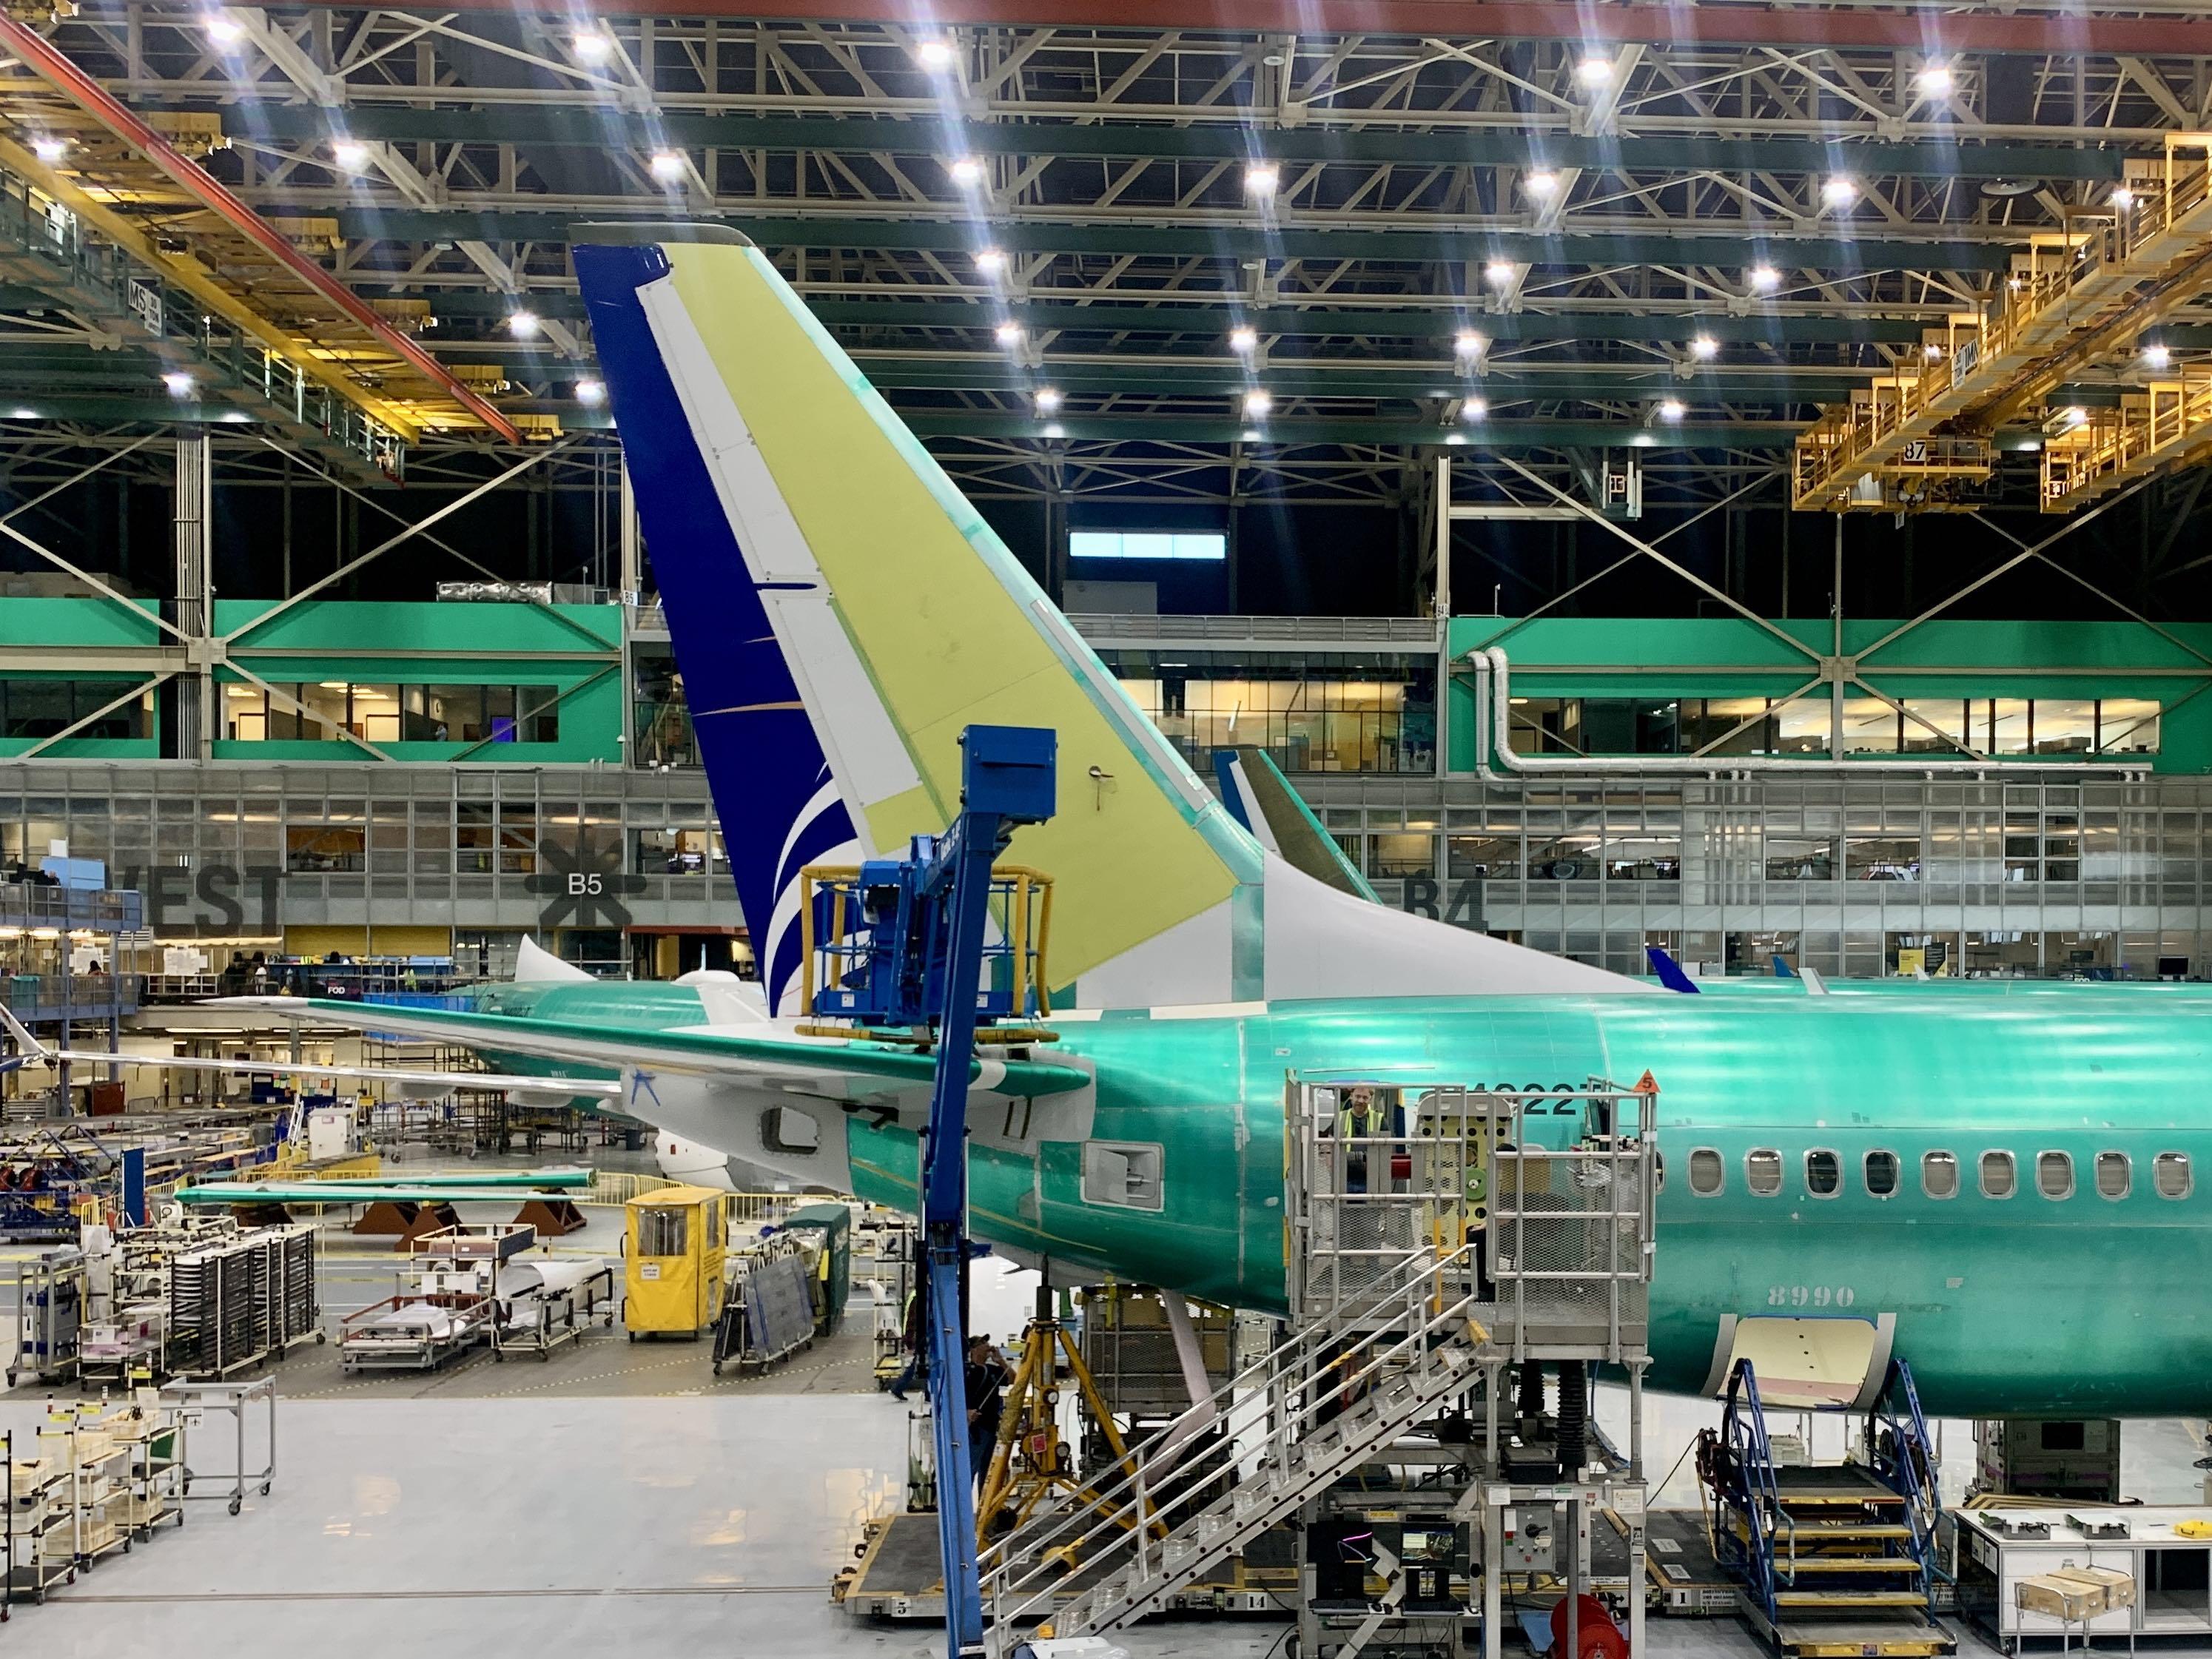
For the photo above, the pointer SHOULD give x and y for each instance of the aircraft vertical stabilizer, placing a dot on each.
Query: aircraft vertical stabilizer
(789, 514)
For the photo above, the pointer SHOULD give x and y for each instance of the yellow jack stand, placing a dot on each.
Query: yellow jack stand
(1030, 1460)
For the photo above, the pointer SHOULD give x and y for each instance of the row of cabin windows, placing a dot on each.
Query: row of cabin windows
(1997, 1173)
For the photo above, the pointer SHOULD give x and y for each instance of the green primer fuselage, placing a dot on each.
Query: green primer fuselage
(2027, 1304)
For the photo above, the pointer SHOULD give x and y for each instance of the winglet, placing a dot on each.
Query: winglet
(27, 1046)
(1782, 969)
(1670, 971)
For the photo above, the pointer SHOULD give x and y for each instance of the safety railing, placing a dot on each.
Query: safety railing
(2168, 421)
(1229, 1466)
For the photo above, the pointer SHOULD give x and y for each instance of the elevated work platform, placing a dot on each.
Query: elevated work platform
(1908, 440)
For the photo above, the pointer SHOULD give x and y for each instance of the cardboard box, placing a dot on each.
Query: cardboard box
(2118, 1586)
(2060, 1597)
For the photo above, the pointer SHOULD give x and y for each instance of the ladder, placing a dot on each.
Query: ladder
(1286, 1427)
(1832, 1555)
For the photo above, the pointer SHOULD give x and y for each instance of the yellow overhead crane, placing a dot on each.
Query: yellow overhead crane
(1906, 441)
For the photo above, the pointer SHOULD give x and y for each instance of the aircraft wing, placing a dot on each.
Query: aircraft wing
(855, 1072)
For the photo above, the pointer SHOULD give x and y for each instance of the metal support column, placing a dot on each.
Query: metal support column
(1836, 664)
(195, 691)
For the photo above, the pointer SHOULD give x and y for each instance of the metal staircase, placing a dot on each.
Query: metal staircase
(1834, 1557)
(1334, 1395)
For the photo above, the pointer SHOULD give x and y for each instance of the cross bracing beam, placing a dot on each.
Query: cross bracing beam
(922, 132)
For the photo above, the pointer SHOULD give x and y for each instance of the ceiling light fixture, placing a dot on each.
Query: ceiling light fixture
(1934, 81)
(1047, 399)
(523, 325)
(591, 45)
(1705, 348)
(990, 261)
(1262, 178)
(1839, 191)
(1541, 182)
(1468, 344)
(668, 166)
(967, 173)
(350, 154)
(2123, 199)
(47, 148)
(1765, 278)
(179, 382)
(935, 55)
(2157, 356)
(591, 394)
(1243, 337)
(224, 31)
(1671, 409)
(1007, 334)
(1594, 71)
(1473, 409)
(1499, 273)
(1257, 404)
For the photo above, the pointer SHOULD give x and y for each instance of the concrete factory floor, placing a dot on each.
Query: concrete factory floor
(667, 1526)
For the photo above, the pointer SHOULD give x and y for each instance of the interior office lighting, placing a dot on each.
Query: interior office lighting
(1250, 435)
(1243, 337)
(523, 325)
(179, 382)
(350, 154)
(224, 31)
(1934, 81)
(1705, 348)
(591, 394)
(2157, 356)
(1672, 409)
(1473, 409)
(935, 55)
(990, 261)
(1007, 334)
(1262, 178)
(23, 414)
(1468, 344)
(666, 167)
(1765, 278)
(967, 173)
(1499, 273)
(592, 47)
(1594, 71)
(1257, 404)
(2123, 199)
(47, 148)
(1047, 399)
(1839, 191)
(1540, 183)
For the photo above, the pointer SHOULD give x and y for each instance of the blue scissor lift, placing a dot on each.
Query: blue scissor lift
(909, 941)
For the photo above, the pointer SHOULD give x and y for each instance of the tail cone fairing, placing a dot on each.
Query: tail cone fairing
(840, 611)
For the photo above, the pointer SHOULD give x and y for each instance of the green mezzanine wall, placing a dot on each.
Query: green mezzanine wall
(1730, 656)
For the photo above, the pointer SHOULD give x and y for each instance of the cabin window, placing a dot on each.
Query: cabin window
(2054, 1174)
(2115, 1175)
(1880, 1174)
(2169, 1174)
(1706, 1172)
(1762, 1171)
(1123, 1173)
(1997, 1175)
(1824, 1174)
(1939, 1175)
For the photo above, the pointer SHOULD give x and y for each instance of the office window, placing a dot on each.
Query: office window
(1997, 1175)
(1206, 545)
(2054, 1174)
(2115, 1175)
(2127, 725)
(1939, 1175)
(2064, 726)
(1824, 1174)
(2170, 1176)
(1880, 1174)
(1122, 1173)
(1707, 1173)
(1762, 1171)
(1870, 726)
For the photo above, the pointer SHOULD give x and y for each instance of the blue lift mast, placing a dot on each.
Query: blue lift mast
(928, 921)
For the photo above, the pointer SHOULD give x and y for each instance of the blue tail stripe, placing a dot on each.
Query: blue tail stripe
(763, 762)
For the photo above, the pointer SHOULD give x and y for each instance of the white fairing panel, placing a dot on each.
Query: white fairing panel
(1188, 962)
(1323, 943)
(536, 965)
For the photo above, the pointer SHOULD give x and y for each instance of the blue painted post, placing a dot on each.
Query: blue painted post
(134, 1186)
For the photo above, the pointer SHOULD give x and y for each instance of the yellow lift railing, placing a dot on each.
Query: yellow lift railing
(2169, 421)
(1886, 446)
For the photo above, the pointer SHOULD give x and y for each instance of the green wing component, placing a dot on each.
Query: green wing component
(1299, 835)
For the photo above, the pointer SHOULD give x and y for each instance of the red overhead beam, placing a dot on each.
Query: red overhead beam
(88, 94)
(1909, 28)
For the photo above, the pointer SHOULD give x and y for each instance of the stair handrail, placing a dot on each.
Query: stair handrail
(1902, 1462)
(1400, 1325)
(1759, 1494)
